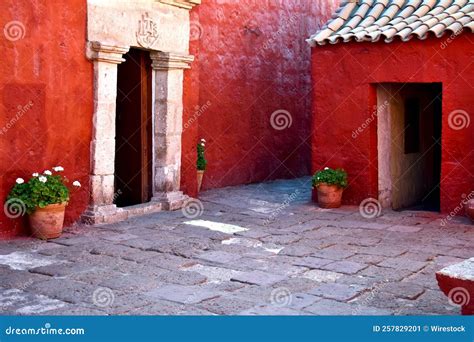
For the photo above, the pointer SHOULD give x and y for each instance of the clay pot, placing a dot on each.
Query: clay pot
(47, 223)
(200, 175)
(469, 209)
(329, 196)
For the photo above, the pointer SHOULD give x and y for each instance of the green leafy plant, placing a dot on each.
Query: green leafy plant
(41, 190)
(201, 158)
(331, 177)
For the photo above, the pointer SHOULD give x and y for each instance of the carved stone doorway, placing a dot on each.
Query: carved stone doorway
(162, 29)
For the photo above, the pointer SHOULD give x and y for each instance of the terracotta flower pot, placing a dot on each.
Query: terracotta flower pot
(200, 175)
(469, 209)
(47, 223)
(329, 196)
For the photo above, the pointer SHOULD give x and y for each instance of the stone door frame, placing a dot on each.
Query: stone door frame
(167, 111)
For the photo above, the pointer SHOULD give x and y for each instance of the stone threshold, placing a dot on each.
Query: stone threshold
(112, 214)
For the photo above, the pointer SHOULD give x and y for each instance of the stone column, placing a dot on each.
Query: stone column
(168, 71)
(105, 58)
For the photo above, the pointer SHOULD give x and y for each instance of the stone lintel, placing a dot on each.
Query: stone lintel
(170, 60)
(98, 51)
(187, 4)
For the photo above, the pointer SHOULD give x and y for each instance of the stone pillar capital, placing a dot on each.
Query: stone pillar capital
(98, 51)
(170, 60)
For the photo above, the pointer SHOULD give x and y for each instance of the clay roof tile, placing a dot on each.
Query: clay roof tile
(372, 20)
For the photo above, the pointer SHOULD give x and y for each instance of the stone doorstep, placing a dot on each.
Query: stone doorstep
(112, 214)
(457, 283)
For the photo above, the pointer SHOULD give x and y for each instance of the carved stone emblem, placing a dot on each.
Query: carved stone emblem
(147, 33)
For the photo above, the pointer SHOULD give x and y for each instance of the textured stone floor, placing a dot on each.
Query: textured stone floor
(262, 249)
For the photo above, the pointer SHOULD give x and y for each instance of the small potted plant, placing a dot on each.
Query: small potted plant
(44, 198)
(330, 184)
(201, 162)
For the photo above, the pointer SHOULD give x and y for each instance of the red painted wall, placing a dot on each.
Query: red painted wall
(251, 60)
(343, 100)
(45, 97)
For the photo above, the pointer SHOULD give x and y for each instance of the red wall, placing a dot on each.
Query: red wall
(46, 97)
(251, 60)
(343, 100)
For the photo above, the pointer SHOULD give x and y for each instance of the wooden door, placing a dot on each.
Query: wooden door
(133, 145)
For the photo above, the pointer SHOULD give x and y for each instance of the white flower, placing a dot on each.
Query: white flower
(20, 181)
(42, 179)
(326, 168)
(36, 174)
(47, 172)
(76, 183)
(203, 144)
(58, 168)
(203, 140)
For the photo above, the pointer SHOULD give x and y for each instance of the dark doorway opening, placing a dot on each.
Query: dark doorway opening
(133, 144)
(416, 167)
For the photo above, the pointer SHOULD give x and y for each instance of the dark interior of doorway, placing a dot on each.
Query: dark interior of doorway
(423, 117)
(133, 144)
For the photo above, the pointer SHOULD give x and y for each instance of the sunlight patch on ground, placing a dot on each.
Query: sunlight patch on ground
(242, 242)
(217, 226)
(30, 303)
(274, 250)
(23, 261)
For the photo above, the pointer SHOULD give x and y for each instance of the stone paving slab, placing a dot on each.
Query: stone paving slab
(258, 278)
(340, 292)
(182, 294)
(241, 256)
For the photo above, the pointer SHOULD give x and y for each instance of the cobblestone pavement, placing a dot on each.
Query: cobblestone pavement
(261, 249)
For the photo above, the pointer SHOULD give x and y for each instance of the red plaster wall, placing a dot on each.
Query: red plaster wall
(251, 60)
(343, 99)
(47, 68)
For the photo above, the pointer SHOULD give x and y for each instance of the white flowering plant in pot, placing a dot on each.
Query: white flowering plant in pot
(330, 184)
(44, 198)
